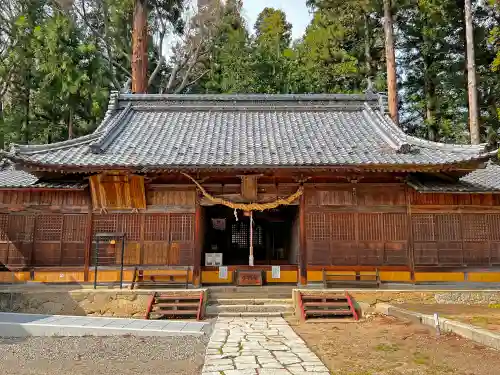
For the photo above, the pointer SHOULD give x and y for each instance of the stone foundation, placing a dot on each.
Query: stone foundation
(117, 303)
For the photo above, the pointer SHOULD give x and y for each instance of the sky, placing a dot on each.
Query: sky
(296, 13)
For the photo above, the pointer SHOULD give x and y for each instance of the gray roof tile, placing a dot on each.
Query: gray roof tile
(169, 131)
(483, 180)
(12, 178)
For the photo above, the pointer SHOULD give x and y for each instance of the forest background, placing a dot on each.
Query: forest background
(59, 59)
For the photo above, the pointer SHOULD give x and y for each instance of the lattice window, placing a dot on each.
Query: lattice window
(49, 227)
(4, 218)
(105, 224)
(130, 224)
(423, 227)
(475, 227)
(370, 227)
(494, 227)
(74, 228)
(257, 238)
(156, 227)
(343, 227)
(318, 227)
(448, 227)
(181, 227)
(394, 227)
(240, 234)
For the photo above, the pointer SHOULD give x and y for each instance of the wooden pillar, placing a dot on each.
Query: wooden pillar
(302, 241)
(198, 242)
(409, 223)
(140, 48)
(88, 245)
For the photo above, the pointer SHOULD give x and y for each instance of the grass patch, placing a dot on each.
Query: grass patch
(494, 305)
(388, 348)
(420, 358)
(481, 321)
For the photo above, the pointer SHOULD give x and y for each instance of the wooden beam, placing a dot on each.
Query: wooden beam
(198, 242)
(302, 241)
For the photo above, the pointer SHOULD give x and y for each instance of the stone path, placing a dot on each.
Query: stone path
(264, 346)
(22, 325)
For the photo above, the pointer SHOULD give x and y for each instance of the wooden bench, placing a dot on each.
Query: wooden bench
(178, 277)
(369, 279)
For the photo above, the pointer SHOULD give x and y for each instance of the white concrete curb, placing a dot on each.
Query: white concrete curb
(479, 335)
(24, 325)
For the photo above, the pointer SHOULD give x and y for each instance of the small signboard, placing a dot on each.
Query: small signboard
(276, 272)
(249, 278)
(213, 259)
(223, 272)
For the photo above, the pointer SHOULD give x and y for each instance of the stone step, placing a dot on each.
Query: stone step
(215, 309)
(250, 301)
(250, 314)
(250, 292)
(248, 295)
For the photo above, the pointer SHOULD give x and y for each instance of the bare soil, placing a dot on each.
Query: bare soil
(484, 316)
(384, 345)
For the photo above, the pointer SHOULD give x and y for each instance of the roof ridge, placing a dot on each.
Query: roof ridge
(249, 97)
(380, 127)
(114, 97)
(111, 132)
(387, 121)
(35, 149)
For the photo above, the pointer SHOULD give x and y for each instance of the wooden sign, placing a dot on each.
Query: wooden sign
(249, 278)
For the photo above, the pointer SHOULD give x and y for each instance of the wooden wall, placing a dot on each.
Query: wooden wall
(50, 229)
(346, 225)
(392, 225)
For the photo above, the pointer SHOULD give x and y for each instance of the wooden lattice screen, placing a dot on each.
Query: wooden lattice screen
(152, 239)
(29, 240)
(357, 239)
(461, 239)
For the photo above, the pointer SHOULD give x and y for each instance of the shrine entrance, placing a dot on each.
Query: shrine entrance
(227, 236)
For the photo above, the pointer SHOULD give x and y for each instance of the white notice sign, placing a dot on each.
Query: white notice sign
(223, 272)
(276, 272)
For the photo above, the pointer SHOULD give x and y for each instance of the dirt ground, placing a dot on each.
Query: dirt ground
(483, 316)
(386, 346)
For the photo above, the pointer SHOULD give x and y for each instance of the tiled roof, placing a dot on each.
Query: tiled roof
(12, 178)
(148, 132)
(479, 181)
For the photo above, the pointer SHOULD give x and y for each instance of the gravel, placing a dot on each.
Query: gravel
(177, 355)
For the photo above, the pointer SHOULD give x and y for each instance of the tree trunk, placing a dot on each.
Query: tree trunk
(140, 48)
(70, 123)
(368, 55)
(471, 75)
(26, 122)
(2, 127)
(392, 88)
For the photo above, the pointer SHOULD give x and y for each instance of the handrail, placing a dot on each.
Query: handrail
(150, 305)
(351, 306)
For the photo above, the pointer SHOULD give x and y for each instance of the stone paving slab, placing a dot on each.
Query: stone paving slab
(259, 346)
(22, 325)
